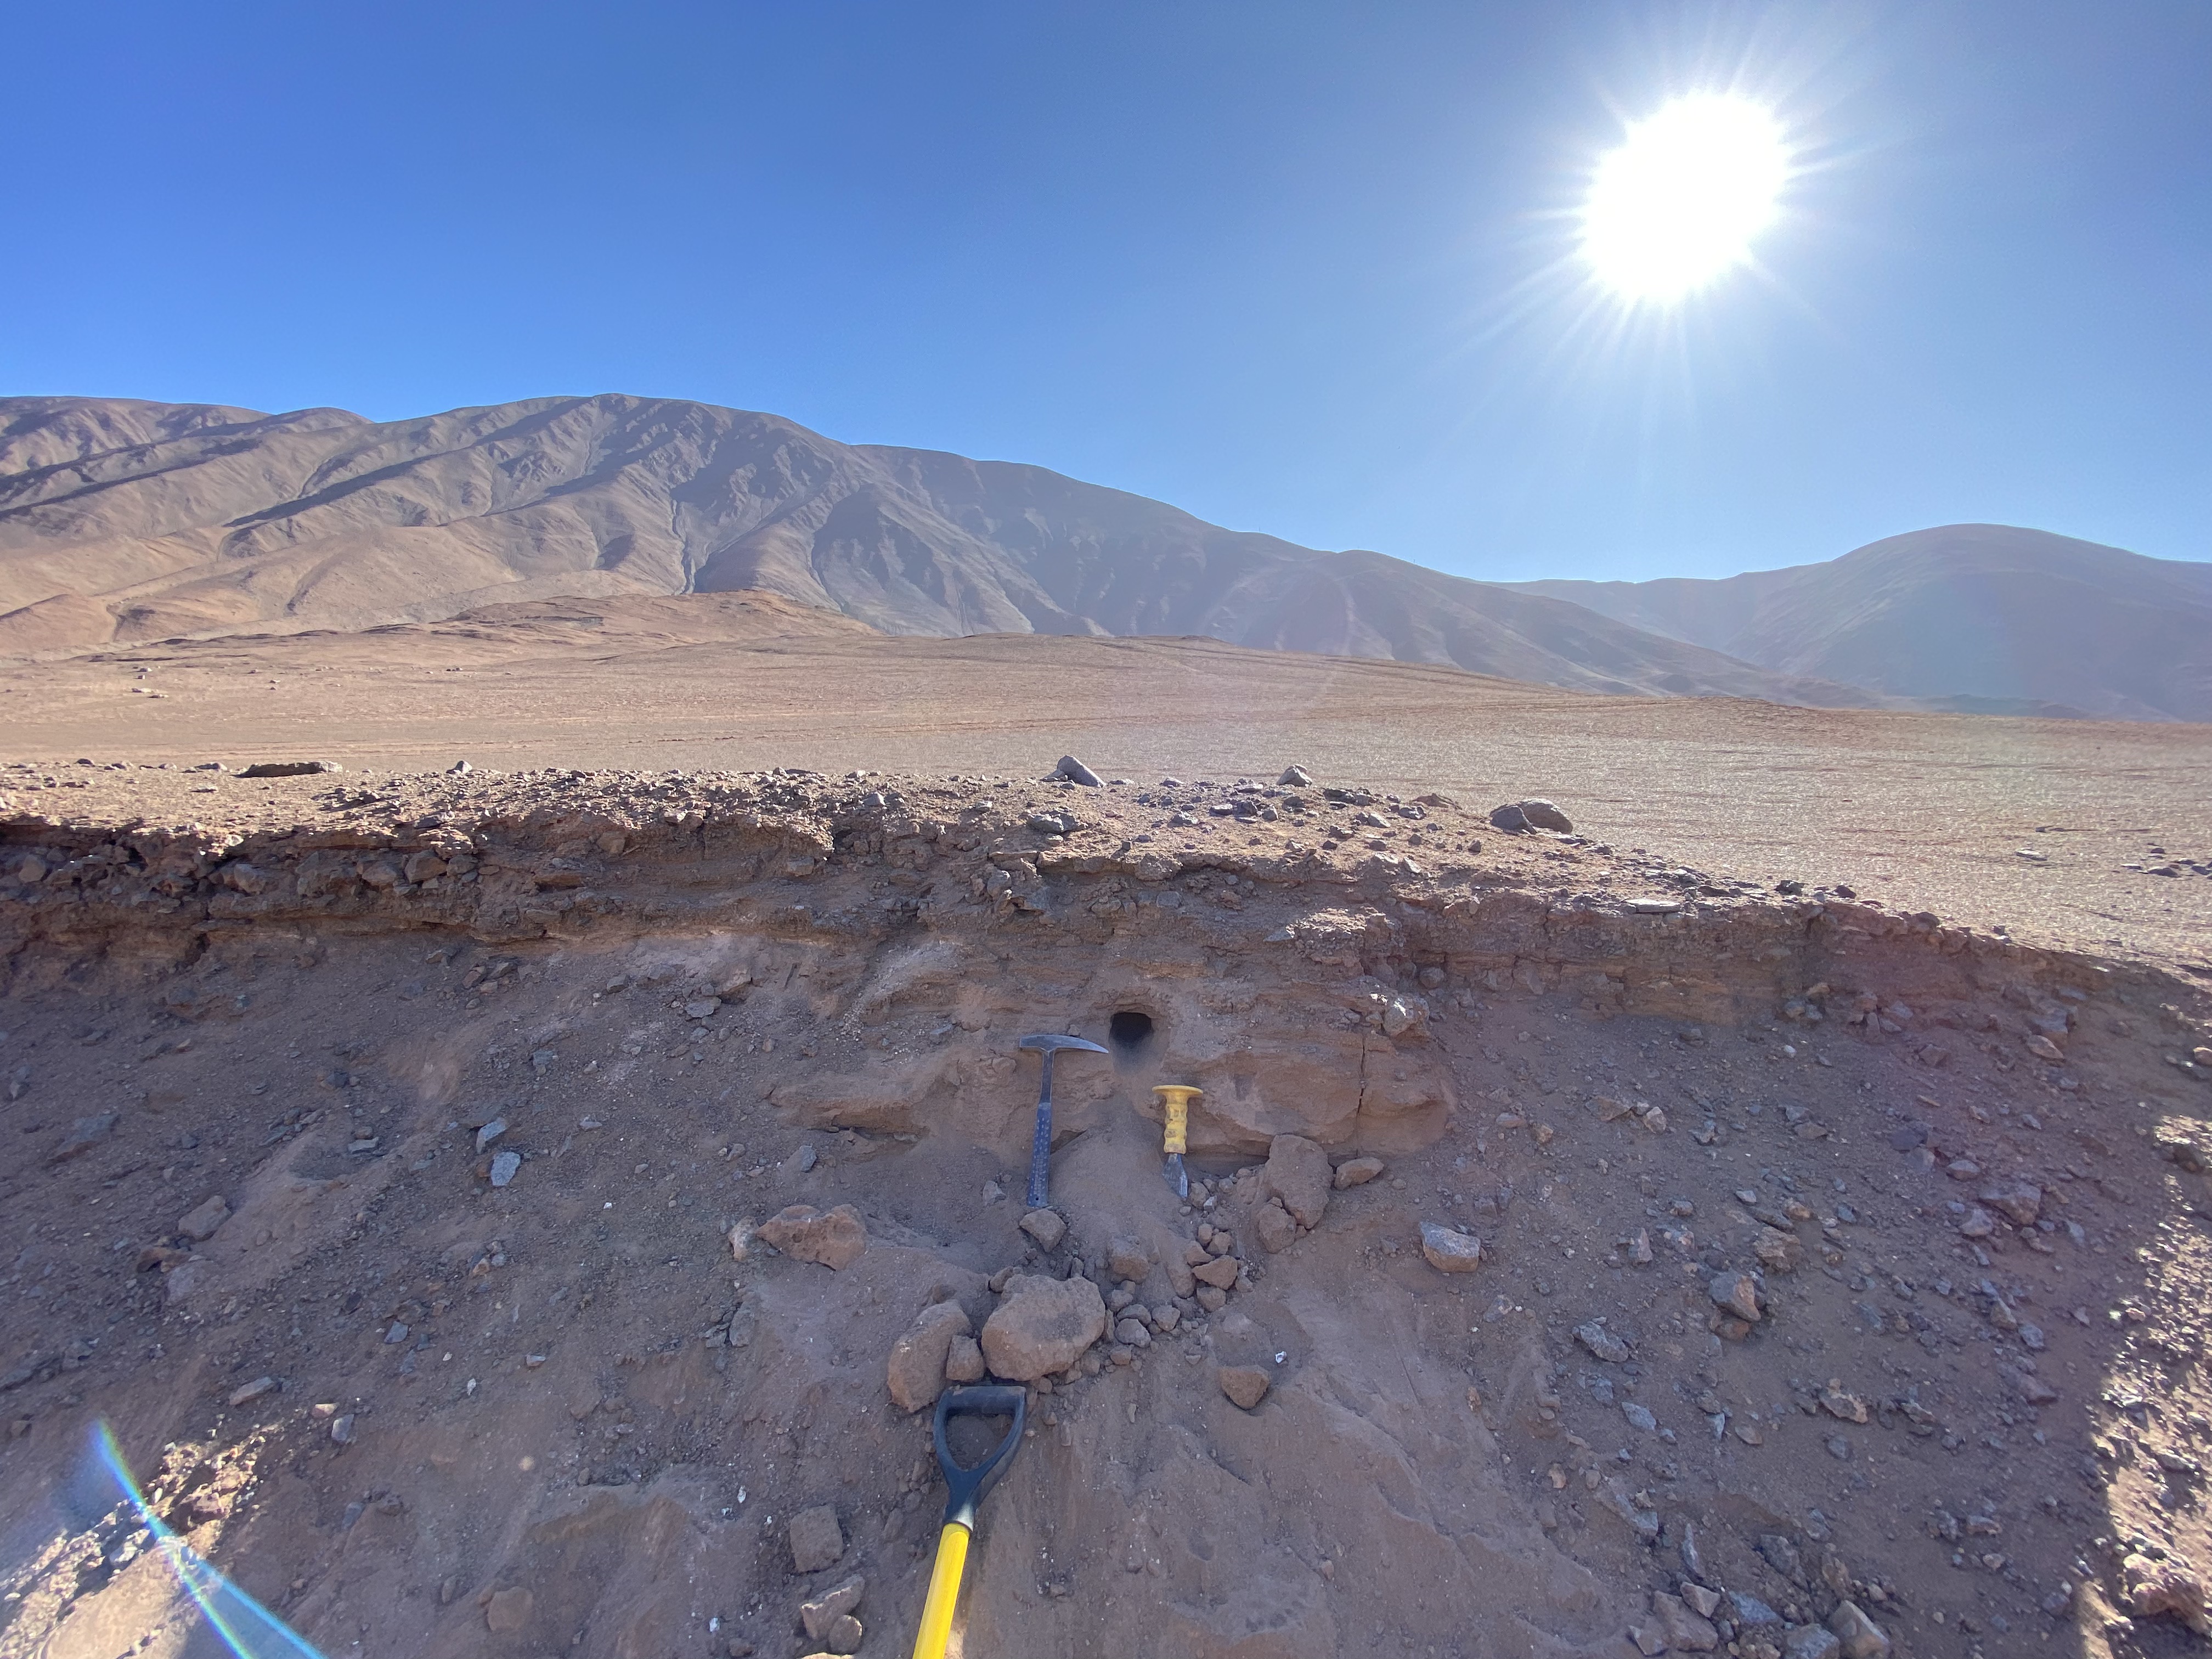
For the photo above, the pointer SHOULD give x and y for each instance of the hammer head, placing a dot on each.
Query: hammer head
(1049, 1040)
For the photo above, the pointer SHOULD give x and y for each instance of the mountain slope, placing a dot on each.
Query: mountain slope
(1964, 613)
(129, 522)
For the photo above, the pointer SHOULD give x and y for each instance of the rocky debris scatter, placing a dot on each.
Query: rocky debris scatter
(1790, 1301)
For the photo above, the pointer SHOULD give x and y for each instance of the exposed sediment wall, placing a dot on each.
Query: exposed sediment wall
(1296, 983)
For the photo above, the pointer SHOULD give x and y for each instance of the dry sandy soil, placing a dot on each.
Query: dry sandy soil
(1943, 1132)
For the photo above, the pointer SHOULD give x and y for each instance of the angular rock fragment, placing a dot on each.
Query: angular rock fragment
(1298, 1172)
(1450, 1250)
(916, 1369)
(1245, 1385)
(1357, 1172)
(1042, 1326)
(816, 1538)
(835, 1238)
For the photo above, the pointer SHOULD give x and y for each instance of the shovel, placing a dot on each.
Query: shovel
(1175, 1108)
(1041, 1152)
(964, 1490)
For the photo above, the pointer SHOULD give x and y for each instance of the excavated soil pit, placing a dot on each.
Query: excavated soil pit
(1957, 1179)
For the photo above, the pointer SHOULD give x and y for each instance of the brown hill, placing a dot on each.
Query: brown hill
(1981, 618)
(129, 522)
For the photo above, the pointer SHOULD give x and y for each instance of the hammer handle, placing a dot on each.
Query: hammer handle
(1041, 1148)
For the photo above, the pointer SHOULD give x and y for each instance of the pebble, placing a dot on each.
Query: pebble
(816, 1540)
(1737, 1292)
(1047, 1227)
(490, 1132)
(1450, 1250)
(819, 1615)
(1245, 1385)
(1601, 1343)
(916, 1370)
(200, 1223)
(1357, 1172)
(253, 1391)
(1639, 1417)
(504, 1168)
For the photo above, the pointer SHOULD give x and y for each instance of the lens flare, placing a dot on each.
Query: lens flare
(1680, 202)
(249, 1630)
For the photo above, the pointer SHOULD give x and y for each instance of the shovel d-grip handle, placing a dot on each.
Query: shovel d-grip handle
(964, 1490)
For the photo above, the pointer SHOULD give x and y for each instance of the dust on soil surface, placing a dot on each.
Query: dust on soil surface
(1834, 1255)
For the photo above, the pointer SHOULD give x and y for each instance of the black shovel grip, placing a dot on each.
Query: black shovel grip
(964, 1488)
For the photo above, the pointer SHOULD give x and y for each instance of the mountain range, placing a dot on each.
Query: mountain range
(125, 521)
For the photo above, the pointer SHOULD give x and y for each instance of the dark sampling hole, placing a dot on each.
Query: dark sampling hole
(1129, 1030)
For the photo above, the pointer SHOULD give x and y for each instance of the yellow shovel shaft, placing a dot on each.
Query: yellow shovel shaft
(929, 1642)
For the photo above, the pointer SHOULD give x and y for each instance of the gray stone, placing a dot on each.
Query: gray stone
(1042, 1326)
(200, 1222)
(1613, 1492)
(1298, 1172)
(1810, 1642)
(1750, 1612)
(1686, 1631)
(816, 1539)
(1449, 1250)
(1357, 1172)
(1076, 772)
(2021, 1200)
(1133, 1333)
(84, 1135)
(1602, 1343)
(1047, 1227)
(253, 1391)
(1737, 1292)
(915, 1373)
(1860, 1637)
(1513, 822)
(1295, 777)
(703, 1008)
(1542, 814)
(1639, 1417)
(490, 1132)
(1277, 1231)
(505, 1167)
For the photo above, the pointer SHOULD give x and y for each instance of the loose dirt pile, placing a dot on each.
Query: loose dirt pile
(1588, 1255)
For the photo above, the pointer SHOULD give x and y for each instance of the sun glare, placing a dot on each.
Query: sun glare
(1681, 200)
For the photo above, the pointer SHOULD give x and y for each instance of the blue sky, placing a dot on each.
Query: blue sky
(1301, 268)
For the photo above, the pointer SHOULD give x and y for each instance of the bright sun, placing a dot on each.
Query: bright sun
(1679, 202)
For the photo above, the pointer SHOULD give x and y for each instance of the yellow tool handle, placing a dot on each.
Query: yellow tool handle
(1178, 1126)
(929, 1642)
